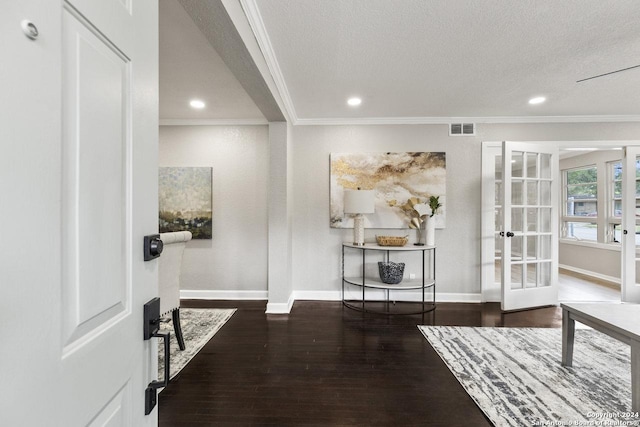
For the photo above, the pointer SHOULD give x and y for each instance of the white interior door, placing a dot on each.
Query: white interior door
(529, 212)
(630, 222)
(78, 178)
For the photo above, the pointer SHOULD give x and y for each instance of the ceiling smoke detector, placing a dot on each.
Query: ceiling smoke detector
(462, 129)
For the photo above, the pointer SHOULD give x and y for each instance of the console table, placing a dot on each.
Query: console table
(424, 283)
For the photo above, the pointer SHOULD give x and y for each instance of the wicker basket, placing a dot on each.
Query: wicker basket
(392, 240)
(391, 272)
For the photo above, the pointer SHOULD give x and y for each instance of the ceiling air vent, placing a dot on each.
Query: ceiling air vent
(462, 129)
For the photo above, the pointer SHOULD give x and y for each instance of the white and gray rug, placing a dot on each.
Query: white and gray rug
(516, 378)
(199, 325)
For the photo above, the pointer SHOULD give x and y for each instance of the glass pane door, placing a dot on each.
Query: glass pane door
(529, 225)
(498, 220)
(630, 223)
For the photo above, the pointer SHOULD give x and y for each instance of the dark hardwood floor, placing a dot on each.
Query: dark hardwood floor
(327, 365)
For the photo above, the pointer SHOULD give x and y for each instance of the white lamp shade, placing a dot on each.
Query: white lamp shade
(359, 201)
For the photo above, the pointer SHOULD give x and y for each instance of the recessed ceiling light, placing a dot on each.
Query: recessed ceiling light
(354, 102)
(537, 100)
(197, 104)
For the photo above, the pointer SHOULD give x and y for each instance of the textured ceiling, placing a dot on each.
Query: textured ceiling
(454, 58)
(191, 68)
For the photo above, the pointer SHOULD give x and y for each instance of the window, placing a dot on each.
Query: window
(592, 217)
(580, 203)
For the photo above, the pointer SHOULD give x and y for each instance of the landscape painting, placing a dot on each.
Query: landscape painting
(395, 177)
(185, 200)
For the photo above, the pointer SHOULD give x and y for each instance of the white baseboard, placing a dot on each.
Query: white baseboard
(317, 295)
(456, 297)
(595, 275)
(285, 308)
(223, 295)
(492, 295)
(380, 295)
(280, 308)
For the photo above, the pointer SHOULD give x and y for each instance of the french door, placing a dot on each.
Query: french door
(630, 221)
(528, 215)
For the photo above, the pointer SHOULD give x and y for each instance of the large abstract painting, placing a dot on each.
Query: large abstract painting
(185, 200)
(395, 177)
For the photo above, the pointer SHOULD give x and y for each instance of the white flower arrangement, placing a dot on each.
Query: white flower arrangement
(419, 210)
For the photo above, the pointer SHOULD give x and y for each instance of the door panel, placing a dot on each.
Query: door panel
(630, 221)
(96, 102)
(529, 226)
(108, 133)
(117, 412)
(491, 244)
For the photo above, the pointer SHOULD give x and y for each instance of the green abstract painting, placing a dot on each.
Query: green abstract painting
(185, 200)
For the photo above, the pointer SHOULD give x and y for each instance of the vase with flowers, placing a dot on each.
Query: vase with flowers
(434, 205)
(421, 219)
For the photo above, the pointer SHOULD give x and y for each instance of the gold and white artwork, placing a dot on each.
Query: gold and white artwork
(395, 177)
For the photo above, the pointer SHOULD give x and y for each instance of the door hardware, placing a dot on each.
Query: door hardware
(510, 234)
(151, 329)
(502, 234)
(152, 247)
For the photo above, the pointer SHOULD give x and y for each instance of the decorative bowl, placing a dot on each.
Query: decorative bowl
(392, 240)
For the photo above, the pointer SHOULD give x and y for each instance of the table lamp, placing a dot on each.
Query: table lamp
(359, 202)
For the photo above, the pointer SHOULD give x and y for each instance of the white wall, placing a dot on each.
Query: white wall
(234, 263)
(316, 246)
(280, 207)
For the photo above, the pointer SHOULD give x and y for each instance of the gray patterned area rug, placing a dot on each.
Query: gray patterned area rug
(516, 378)
(199, 325)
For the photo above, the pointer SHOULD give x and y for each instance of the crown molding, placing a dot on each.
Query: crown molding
(213, 122)
(405, 120)
(256, 23)
(448, 120)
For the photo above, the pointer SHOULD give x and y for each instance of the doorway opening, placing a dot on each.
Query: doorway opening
(590, 221)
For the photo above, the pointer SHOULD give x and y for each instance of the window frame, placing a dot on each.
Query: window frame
(566, 219)
(611, 221)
